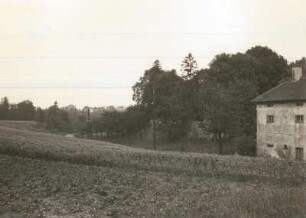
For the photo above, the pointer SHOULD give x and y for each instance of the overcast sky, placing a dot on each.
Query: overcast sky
(90, 52)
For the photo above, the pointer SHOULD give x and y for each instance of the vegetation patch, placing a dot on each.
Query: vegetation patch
(37, 188)
(47, 146)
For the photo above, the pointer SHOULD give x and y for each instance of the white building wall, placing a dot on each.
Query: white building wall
(284, 130)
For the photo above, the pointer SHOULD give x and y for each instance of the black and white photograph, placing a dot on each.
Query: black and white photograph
(142, 108)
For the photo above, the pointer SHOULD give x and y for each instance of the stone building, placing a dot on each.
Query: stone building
(281, 111)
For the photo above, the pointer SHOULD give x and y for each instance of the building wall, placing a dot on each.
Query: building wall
(283, 131)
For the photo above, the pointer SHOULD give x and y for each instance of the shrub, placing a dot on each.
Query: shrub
(245, 146)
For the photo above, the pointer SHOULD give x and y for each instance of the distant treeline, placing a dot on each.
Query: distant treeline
(218, 96)
(24, 110)
(65, 119)
(54, 117)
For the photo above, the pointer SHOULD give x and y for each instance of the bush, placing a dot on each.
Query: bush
(245, 146)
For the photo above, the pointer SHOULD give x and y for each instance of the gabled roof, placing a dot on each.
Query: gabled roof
(289, 91)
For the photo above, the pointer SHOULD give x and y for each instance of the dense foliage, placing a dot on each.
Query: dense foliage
(54, 118)
(219, 97)
(21, 111)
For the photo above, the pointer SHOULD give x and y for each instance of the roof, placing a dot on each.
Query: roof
(289, 91)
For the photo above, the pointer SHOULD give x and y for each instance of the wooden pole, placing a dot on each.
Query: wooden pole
(88, 123)
(153, 111)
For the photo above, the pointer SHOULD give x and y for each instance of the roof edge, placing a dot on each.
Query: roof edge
(266, 92)
(278, 101)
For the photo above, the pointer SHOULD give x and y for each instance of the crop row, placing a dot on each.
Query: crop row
(58, 148)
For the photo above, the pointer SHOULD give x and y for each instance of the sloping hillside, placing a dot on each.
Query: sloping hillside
(46, 175)
(46, 146)
(25, 125)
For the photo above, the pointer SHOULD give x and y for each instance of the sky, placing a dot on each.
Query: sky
(91, 52)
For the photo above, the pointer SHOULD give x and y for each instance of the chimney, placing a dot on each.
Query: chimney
(296, 73)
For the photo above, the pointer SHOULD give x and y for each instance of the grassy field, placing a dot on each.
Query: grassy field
(163, 144)
(45, 175)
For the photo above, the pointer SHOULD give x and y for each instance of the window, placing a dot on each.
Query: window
(285, 147)
(299, 153)
(270, 145)
(269, 105)
(299, 118)
(299, 104)
(270, 119)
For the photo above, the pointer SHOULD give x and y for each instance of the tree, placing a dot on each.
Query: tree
(4, 108)
(57, 119)
(189, 66)
(271, 68)
(299, 63)
(75, 117)
(217, 110)
(122, 124)
(229, 85)
(173, 111)
(189, 90)
(112, 124)
(226, 68)
(143, 89)
(162, 95)
(25, 110)
(136, 120)
(145, 93)
(39, 115)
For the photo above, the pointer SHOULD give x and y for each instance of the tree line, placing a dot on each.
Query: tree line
(219, 97)
(54, 118)
(67, 119)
